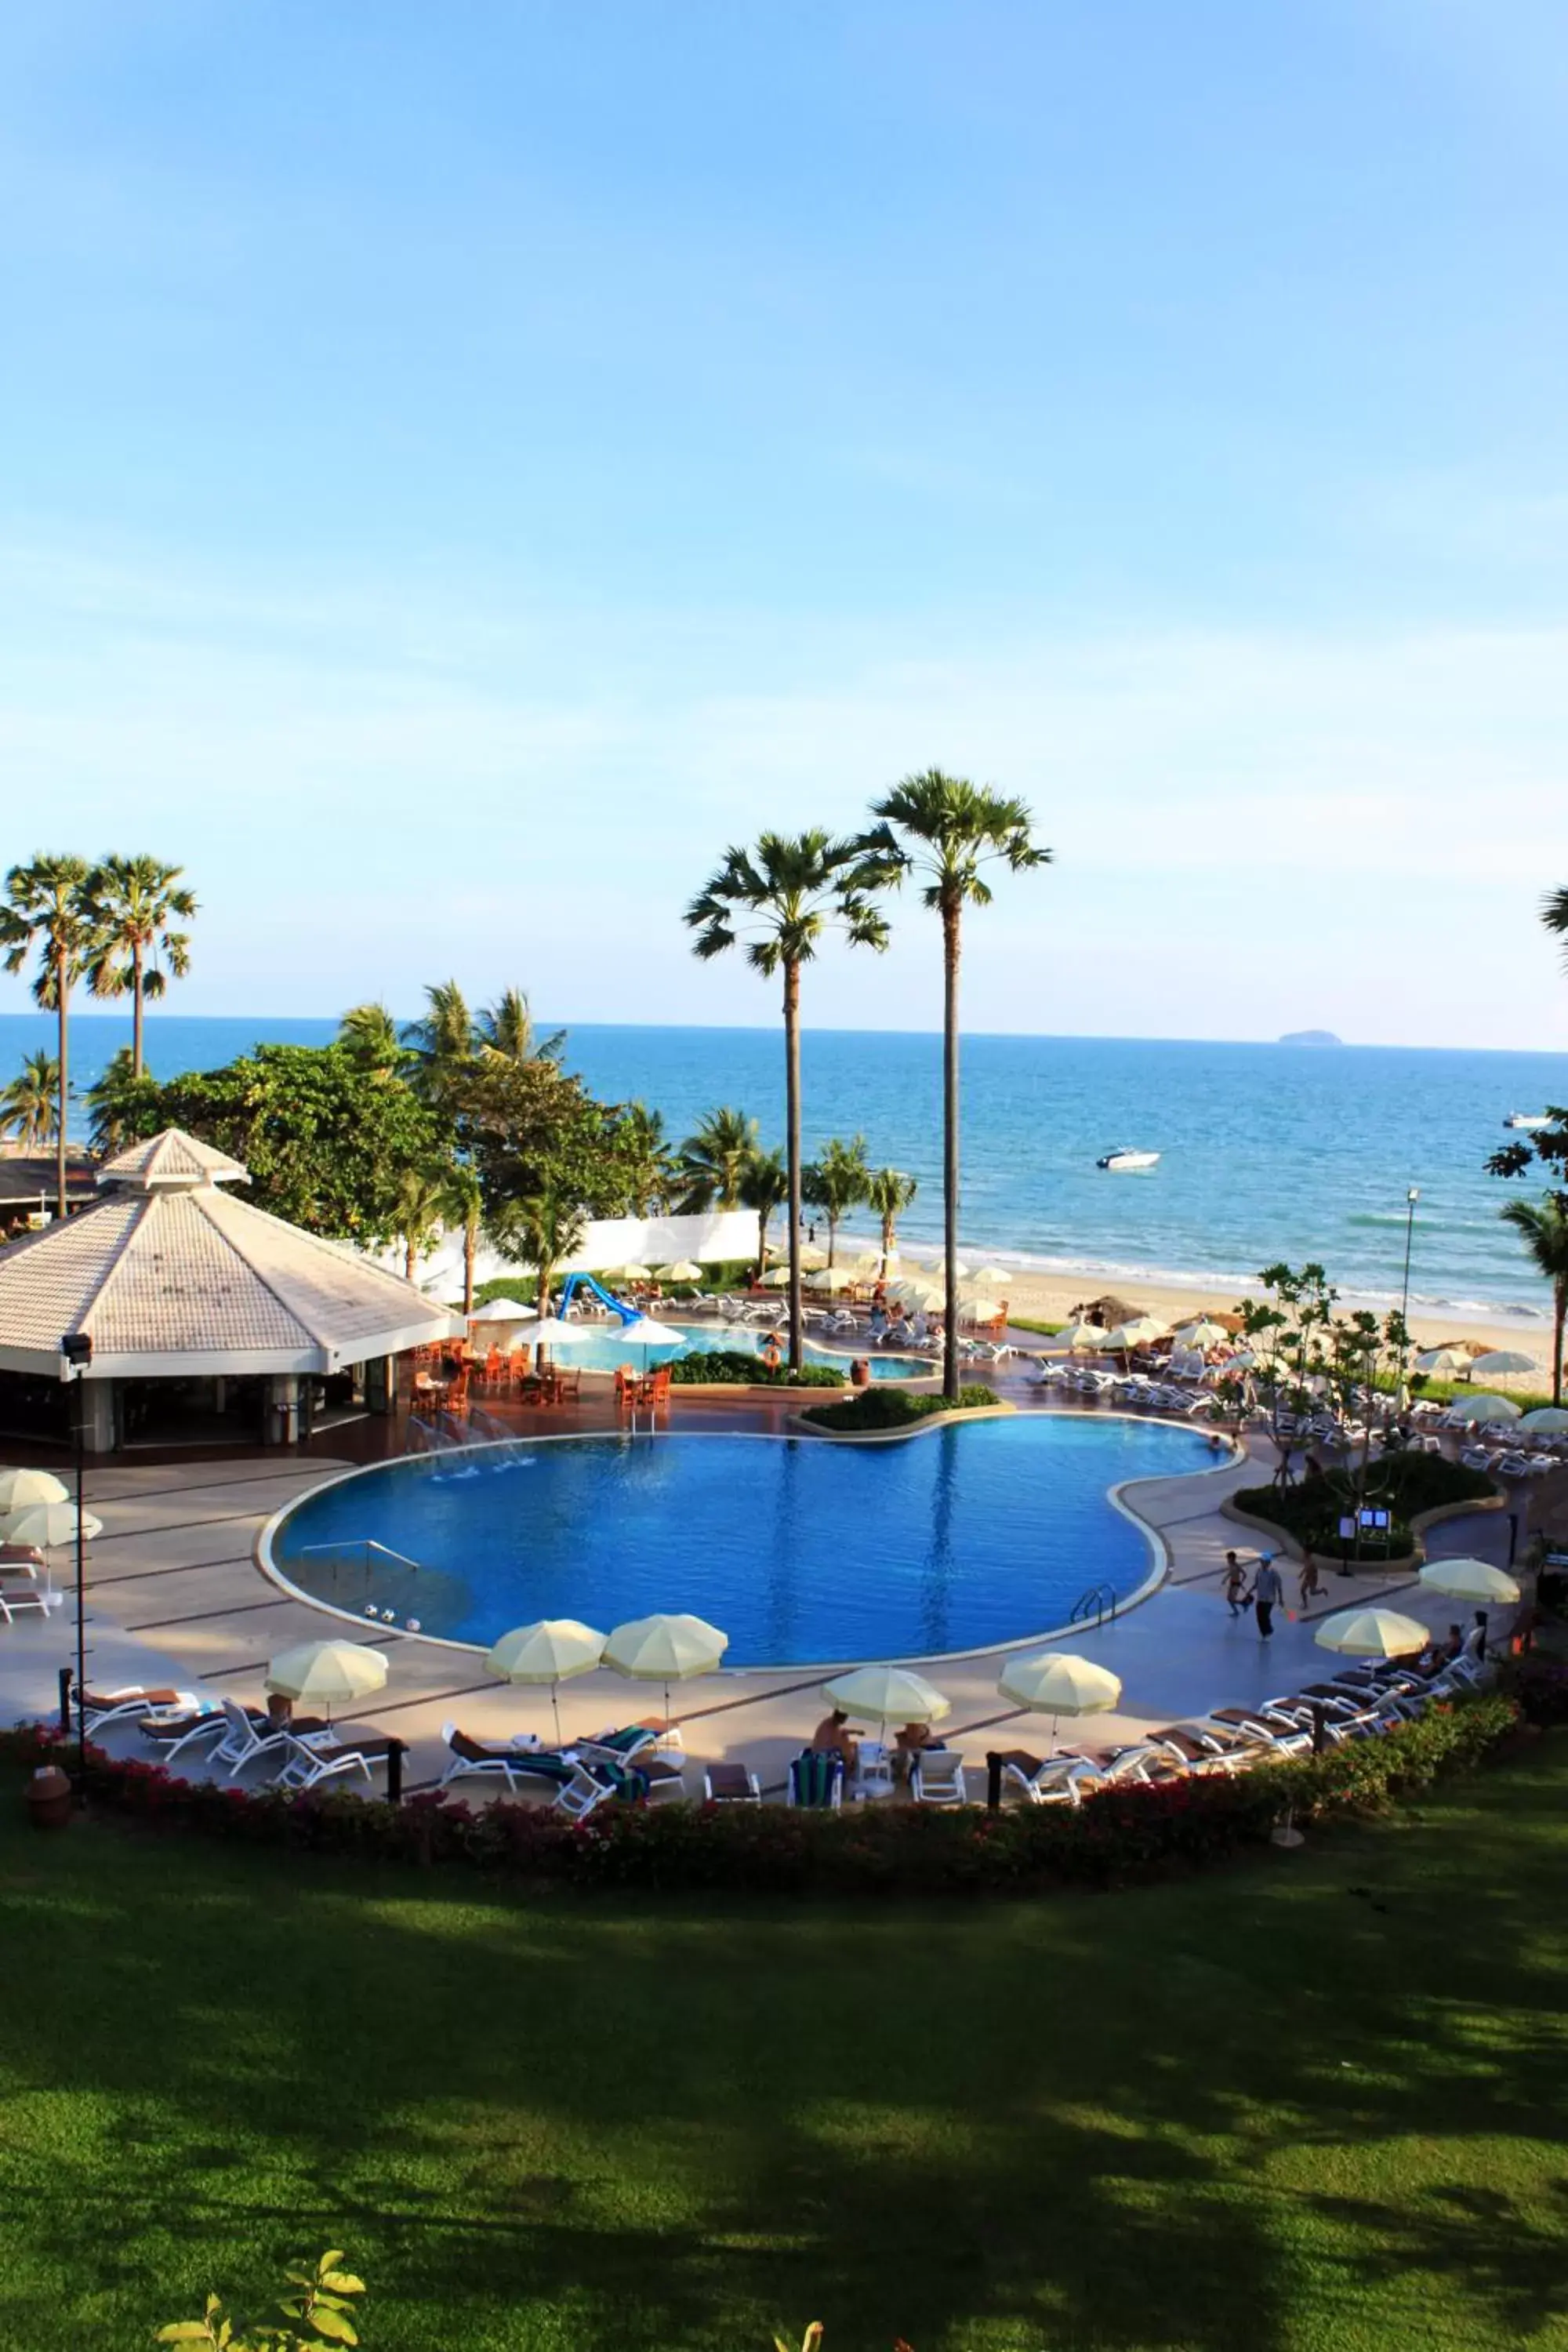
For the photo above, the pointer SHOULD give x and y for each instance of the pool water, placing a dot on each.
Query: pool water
(601, 1349)
(803, 1551)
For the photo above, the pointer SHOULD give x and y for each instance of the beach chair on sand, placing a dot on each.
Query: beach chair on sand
(815, 1780)
(473, 1759)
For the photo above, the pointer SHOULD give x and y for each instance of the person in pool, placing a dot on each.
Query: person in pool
(771, 1351)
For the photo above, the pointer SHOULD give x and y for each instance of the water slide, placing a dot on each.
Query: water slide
(586, 1282)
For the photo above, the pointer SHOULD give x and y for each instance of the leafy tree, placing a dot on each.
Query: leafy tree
(1554, 915)
(835, 1182)
(944, 831)
(1542, 1226)
(443, 1041)
(135, 904)
(782, 897)
(712, 1163)
(120, 1105)
(463, 1203)
(540, 1230)
(649, 1173)
(532, 1129)
(764, 1187)
(422, 1201)
(1314, 1358)
(889, 1194)
(370, 1035)
(506, 1028)
(48, 908)
(29, 1107)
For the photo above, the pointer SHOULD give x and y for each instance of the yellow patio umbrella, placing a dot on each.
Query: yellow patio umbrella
(327, 1674)
(1469, 1580)
(1055, 1683)
(812, 1255)
(776, 1279)
(683, 1270)
(20, 1486)
(46, 1525)
(673, 1648)
(554, 1651)
(1372, 1634)
(889, 1693)
(635, 1273)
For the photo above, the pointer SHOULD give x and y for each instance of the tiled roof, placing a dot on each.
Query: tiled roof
(174, 1158)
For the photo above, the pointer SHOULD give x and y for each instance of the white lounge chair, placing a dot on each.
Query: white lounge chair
(309, 1766)
(476, 1759)
(245, 1739)
(16, 1597)
(936, 1777)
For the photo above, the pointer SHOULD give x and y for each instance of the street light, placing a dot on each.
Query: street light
(77, 1349)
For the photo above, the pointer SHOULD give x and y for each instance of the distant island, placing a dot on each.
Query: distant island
(1311, 1037)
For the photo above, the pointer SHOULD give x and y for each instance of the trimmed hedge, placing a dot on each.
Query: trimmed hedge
(1117, 1836)
(1406, 1484)
(883, 1406)
(734, 1368)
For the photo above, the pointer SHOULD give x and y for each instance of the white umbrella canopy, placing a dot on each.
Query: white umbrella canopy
(1502, 1361)
(1055, 1683)
(776, 1279)
(1484, 1410)
(20, 1486)
(665, 1648)
(1372, 1634)
(1469, 1580)
(914, 1291)
(1446, 1363)
(1085, 1338)
(890, 1694)
(683, 1270)
(1138, 1334)
(939, 1271)
(1546, 1421)
(327, 1674)
(643, 1332)
(46, 1525)
(504, 1310)
(1202, 1332)
(831, 1279)
(812, 1255)
(555, 1333)
(992, 1275)
(554, 1651)
(873, 1262)
(982, 1310)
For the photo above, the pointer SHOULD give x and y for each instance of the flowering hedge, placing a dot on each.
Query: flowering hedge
(1118, 1835)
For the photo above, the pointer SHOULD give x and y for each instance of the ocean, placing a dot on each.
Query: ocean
(1267, 1151)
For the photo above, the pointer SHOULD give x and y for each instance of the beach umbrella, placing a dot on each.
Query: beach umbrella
(831, 1279)
(327, 1674)
(46, 1525)
(939, 1271)
(1546, 1421)
(811, 1255)
(992, 1275)
(982, 1310)
(890, 1694)
(1469, 1580)
(504, 1310)
(554, 1651)
(913, 1290)
(1372, 1634)
(776, 1279)
(635, 1273)
(870, 1261)
(665, 1649)
(1138, 1334)
(1502, 1361)
(1202, 1332)
(1482, 1410)
(553, 1332)
(683, 1270)
(1084, 1337)
(1055, 1683)
(20, 1486)
(1446, 1363)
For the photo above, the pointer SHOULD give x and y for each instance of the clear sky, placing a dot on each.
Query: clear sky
(464, 465)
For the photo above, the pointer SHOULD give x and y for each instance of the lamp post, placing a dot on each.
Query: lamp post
(77, 1349)
(1410, 1198)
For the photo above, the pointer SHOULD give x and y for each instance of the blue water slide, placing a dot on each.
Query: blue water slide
(586, 1281)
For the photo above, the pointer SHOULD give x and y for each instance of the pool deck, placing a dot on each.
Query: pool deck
(176, 1596)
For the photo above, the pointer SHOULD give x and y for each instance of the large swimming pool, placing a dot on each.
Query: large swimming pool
(803, 1551)
(601, 1347)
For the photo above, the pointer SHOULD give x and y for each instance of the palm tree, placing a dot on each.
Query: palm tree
(1542, 1226)
(136, 901)
(645, 1157)
(370, 1035)
(442, 1041)
(1554, 915)
(944, 830)
(48, 907)
(419, 1213)
(785, 895)
(836, 1181)
(463, 1203)
(506, 1028)
(28, 1107)
(889, 1192)
(765, 1186)
(713, 1160)
(539, 1229)
(122, 1106)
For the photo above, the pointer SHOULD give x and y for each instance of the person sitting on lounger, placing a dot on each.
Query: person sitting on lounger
(831, 1738)
(911, 1740)
(877, 1328)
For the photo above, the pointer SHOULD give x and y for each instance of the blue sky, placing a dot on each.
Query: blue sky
(465, 466)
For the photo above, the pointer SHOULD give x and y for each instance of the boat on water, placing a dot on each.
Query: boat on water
(1125, 1163)
(1528, 1119)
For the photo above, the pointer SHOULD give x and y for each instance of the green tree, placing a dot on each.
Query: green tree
(782, 897)
(506, 1028)
(835, 1182)
(423, 1200)
(1554, 915)
(889, 1192)
(1542, 1226)
(944, 831)
(443, 1041)
(539, 1229)
(647, 1160)
(29, 1107)
(371, 1036)
(135, 903)
(47, 910)
(122, 1106)
(764, 1187)
(713, 1163)
(463, 1203)
(532, 1129)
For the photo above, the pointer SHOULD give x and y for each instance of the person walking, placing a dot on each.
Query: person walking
(1268, 1593)
(1312, 1582)
(1234, 1584)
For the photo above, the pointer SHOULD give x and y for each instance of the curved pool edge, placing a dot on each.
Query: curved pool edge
(1116, 1496)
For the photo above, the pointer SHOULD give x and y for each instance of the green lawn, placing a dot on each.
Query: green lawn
(1310, 2104)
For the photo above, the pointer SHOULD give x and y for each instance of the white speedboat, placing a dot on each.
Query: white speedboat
(1529, 1119)
(1124, 1163)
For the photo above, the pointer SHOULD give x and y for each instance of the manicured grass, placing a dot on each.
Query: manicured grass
(1312, 2103)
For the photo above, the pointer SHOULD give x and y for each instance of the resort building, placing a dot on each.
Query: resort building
(208, 1318)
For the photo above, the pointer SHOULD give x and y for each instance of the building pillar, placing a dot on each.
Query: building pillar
(380, 1377)
(95, 1403)
(280, 1424)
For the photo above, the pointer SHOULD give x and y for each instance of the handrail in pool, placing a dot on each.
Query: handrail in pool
(363, 1546)
(1098, 1602)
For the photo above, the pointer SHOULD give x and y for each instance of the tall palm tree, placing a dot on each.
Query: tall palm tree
(889, 1192)
(1542, 1226)
(783, 897)
(28, 1107)
(136, 902)
(1554, 915)
(944, 830)
(836, 1181)
(506, 1028)
(443, 1041)
(645, 1159)
(371, 1037)
(47, 907)
(764, 1187)
(419, 1213)
(712, 1163)
(539, 1229)
(463, 1203)
(121, 1105)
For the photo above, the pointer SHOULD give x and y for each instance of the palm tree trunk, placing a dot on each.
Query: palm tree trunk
(136, 1009)
(792, 1121)
(832, 1240)
(471, 1252)
(1561, 1303)
(410, 1256)
(60, 1007)
(949, 955)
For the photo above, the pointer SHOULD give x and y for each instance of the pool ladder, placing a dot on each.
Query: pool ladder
(1098, 1602)
(360, 1549)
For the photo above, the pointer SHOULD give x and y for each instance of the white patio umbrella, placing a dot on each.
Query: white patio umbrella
(644, 1333)
(666, 1649)
(1545, 1421)
(776, 1279)
(889, 1693)
(327, 1674)
(1372, 1634)
(811, 1256)
(1502, 1361)
(1444, 1363)
(939, 1271)
(1484, 1410)
(504, 1310)
(1141, 1333)
(1080, 1339)
(1202, 1332)
(46, 1525)
(913, 1290)
(554, 1651)
(872, 1262)
(1055, 1683)
(982, 1310)
(1469, 1580)
(635, 1273)
(831, 1279)
(20, 1486)
(992, 1275)
(683, 1270)
(552, 1332)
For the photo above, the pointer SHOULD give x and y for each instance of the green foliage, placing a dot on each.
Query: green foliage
(835, 1181)
(319, 2300)
(1406, 1484)
(122, 1106)
(734, 1367)
(535, 1134)
(1042, 1330)
(29, 1105)
(883, 1406)
(889, 1192)
(713, 1162)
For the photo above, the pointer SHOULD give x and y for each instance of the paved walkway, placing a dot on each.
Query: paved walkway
(176, 1596)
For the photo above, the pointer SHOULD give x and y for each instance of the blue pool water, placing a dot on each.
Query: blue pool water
(803, 1552)
(600, 1351)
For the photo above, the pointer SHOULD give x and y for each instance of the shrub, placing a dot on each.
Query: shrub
(318, 2299)
(883, 1406)
(1406, 1483)
(1538, 1685)
(735, 1369)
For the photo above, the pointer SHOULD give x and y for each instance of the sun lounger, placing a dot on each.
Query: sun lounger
(731, 1784)
(625, 1746)
(1283, 1737)
(172, 1735)
(815, 1780)
(1044, 1780)
(936, 1777)
(245, 1737)
(473, 1759)
(310, 1764)
(175, 1706)
(14, 1598)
